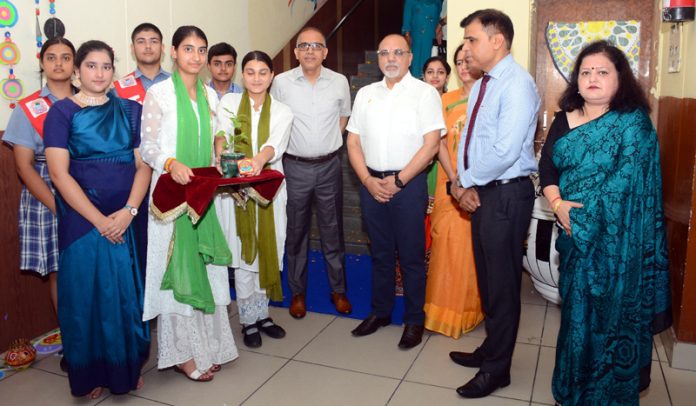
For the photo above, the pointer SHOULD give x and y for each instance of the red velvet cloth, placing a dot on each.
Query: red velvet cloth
(198, 194)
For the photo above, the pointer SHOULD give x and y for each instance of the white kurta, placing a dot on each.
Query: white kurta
(281, 124)
(183, 333)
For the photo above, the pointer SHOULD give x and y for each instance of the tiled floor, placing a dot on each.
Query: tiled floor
(320, 363)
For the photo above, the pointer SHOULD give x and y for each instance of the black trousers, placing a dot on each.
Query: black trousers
(499, 229)
(398, 227)
(321, 184)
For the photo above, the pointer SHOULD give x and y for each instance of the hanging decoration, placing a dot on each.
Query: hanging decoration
(11, 88)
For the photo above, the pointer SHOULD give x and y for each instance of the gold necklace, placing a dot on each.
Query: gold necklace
(91, 100)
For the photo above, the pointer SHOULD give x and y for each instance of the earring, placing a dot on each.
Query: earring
(76, 82)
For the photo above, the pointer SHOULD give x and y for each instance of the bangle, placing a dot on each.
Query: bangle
(554, 200)
(168, 163)
(364, 179)
(557, 205)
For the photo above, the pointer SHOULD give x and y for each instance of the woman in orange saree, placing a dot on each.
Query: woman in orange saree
(452, 302)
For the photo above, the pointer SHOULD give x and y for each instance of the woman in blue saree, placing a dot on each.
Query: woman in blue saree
(600, 171)
(91, 148)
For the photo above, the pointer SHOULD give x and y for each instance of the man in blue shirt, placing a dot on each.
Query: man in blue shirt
(222, 62)
(495, 160)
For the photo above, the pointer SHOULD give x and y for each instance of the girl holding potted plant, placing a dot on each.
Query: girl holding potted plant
(256, 234)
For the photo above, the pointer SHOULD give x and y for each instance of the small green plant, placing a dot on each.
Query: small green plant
(236, 136)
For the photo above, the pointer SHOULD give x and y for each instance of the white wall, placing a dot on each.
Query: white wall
(246, 24)
(519, 11)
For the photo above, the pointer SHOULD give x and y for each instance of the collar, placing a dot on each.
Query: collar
(403, 82)
(45, 91)
(501, 67)
(138, 73)
(299, 74)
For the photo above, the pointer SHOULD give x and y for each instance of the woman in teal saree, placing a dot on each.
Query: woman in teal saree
(600, 171)
(92, 142)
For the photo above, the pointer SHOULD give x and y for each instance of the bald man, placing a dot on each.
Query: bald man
(393, 134)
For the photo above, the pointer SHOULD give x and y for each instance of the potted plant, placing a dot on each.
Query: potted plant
(229, 155)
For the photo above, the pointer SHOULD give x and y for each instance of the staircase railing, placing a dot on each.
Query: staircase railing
(344, 19)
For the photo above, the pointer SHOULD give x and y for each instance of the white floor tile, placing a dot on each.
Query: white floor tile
(544, 374)
(299, 383)
(376, 354)
(415, 394)
(531, 325)
(298, 332)
(551, 325)
(36, 387)
(234, 383)
(434, 366)
(681, 385)
(656, 394)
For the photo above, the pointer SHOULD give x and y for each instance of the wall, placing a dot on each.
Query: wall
(519, 11)
(246, 24)
(678, 84)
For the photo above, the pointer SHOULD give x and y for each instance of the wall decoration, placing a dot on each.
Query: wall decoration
(8, 14)
(566, 40)
(10, 88)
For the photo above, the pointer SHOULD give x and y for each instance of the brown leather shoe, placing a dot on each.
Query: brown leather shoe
(297, 307)
(340, 300)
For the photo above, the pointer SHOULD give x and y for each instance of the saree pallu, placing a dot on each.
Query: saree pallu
(452, 301)
(101, 284)
(614, 278)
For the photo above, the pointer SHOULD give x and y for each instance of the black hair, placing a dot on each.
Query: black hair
(456, 51)
(186, 31)
(92, 46)
(629, 95)
(258, 56)
(222, 48)
(492, 18)
(440, 59)
(145, 27)
(55, 41)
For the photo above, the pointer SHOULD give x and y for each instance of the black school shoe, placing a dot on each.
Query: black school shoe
(270, 328)
(252, 337)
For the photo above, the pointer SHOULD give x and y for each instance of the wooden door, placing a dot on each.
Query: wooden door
(550, 82)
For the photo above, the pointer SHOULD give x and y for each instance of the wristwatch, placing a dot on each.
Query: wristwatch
(398, 181)
(132, 210)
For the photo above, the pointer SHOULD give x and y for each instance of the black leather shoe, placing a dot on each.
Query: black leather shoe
(412, 336)
(467, 359)
(482, 385)
(370, 325)
(252, 337)
(270, 328)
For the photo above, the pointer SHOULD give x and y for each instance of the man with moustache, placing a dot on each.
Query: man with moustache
(147, 47)
(393, 134)
(320, 100)
(495, 160)
(222, 62)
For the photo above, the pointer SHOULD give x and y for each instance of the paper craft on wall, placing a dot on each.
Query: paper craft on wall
(566, 40)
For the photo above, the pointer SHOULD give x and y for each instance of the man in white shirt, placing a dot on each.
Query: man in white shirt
(393, 134)
(320, 101)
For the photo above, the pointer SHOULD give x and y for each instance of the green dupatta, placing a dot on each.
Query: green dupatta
(263, 243)
(194, 246)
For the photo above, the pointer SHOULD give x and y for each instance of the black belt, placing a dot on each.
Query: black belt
(381, 175)
(39, 158)
(315, 160)
(501, 182)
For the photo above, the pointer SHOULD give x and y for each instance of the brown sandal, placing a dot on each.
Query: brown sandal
(195, 376)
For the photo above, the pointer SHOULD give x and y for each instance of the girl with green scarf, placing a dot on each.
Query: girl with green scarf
(256, 234)
(186, 278)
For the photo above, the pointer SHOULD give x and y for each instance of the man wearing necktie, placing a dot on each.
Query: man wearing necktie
(494, 164)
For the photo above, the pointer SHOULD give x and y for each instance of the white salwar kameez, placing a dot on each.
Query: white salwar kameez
(183, 333)
(252, 301)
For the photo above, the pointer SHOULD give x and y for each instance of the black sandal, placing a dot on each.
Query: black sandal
(270, 328)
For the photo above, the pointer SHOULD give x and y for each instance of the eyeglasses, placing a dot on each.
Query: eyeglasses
(384, 53)
(316, 46)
